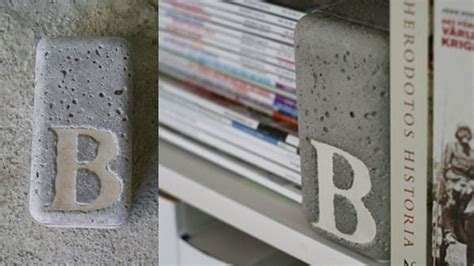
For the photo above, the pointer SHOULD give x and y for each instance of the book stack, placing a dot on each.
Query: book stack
(227, 87)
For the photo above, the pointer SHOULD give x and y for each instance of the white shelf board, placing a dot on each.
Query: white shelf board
(250, 208)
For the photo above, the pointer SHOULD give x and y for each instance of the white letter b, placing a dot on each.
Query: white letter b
(67, 166)
(366, 228)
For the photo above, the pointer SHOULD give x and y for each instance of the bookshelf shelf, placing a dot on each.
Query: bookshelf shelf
(248, 207)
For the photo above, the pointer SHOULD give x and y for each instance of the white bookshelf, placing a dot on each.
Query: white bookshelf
(248, 207)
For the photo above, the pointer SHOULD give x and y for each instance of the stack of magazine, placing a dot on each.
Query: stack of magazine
(227, 87)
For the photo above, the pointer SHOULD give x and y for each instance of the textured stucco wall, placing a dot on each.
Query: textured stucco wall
(22, 24)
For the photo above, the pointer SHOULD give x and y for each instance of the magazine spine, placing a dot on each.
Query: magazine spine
(262, 106)
(221, 126)
(229, 23)
(167, 39)
(209, 105)
(172, 119)
(258, 177)
(178, 90)
(233, 68)
(271, 9)
(255, 132)
(212, 29)
(209, 78)
(168, 57)
(258, 52)
(210, 9)
(255, 14)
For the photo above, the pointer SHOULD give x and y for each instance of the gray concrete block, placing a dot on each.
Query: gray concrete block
(81, 150)
(373, 13)
(342, 70)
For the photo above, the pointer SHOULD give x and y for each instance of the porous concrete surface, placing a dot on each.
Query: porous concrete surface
(22, 24)
(81, 84)
(342, 71)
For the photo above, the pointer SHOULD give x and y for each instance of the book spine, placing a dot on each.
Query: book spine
(452, 223)
(217, 125)
(265, 180)
(409, 94)
(271, 9)
(229, 23)
(245, 76)
(211, 29)
(166, 39)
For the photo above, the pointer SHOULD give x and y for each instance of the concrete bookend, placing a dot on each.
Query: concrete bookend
(81, 151)
(342, 70)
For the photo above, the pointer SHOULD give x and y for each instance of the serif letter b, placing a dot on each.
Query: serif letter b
(67, 167)
(366, 228)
